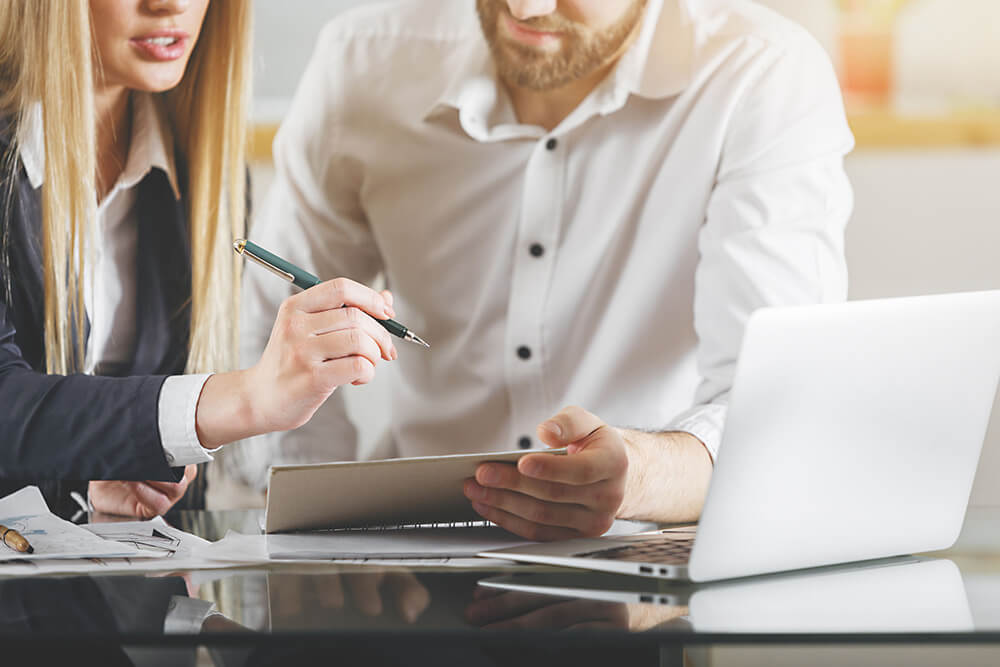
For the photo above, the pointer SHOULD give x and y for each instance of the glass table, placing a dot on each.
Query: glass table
(326, 613)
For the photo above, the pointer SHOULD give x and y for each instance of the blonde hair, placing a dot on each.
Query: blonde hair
(46, 57)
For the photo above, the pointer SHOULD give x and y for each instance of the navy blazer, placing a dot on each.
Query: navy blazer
(56, 429)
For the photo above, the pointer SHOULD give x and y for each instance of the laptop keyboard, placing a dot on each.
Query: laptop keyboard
(667, 549)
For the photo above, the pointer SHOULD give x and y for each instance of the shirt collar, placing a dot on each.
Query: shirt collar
(31, 142)
(151, 145)
(658, 65)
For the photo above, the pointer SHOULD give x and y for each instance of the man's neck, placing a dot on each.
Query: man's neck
(113, 135)
(548, 108)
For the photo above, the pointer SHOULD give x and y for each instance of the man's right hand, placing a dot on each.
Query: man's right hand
(324, 337)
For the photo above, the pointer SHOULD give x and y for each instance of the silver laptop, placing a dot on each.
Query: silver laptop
(853, 433)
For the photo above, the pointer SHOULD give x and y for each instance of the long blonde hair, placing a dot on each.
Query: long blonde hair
(46, 57)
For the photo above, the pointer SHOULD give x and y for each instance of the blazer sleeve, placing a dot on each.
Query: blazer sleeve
(76, 427)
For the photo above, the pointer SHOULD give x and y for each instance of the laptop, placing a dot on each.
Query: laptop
(853, 433)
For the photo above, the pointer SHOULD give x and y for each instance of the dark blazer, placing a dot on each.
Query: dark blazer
(56, 429)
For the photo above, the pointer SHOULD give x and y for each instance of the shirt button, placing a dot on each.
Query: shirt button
(524, 352)
(552, 144)
(524, 442)
(536, 250)
(170, 459)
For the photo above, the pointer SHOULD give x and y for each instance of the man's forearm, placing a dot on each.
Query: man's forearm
(668, 475)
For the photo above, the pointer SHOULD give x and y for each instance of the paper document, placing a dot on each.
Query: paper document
(463, 542)
(252, 549)
(163, 549)
(453, 546)
(53, 538)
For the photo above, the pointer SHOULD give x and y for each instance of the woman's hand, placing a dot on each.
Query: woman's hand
(324, 337)
(141, 499)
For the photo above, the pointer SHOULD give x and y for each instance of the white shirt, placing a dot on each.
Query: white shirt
(109, 282)
(611, 263)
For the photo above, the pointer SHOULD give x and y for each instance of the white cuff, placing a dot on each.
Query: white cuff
(178, 404)
(704, 422)
(185, 616)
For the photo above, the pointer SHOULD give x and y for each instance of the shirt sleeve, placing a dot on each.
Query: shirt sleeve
(774, 228)
(704, 422)
(177, 407)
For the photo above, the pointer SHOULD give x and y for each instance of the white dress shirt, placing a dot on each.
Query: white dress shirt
(109, 282)
(611, 263)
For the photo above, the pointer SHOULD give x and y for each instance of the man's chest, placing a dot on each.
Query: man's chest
(630, 189)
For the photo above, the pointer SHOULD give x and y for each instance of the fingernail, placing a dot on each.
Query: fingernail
(393, 354)
(473, 491)
(553, 428)
(480, 508)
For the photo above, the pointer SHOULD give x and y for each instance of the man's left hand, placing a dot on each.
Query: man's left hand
(141, 499)
(548, 497)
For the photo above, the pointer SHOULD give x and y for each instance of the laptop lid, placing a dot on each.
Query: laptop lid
(853, 433)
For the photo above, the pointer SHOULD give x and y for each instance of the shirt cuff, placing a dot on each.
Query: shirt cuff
(704, 422)
(178, 404)
(185, 616)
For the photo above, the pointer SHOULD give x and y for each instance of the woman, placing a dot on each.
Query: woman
(122, 127)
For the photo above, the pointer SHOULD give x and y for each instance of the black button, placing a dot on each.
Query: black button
(536, 250)
(552, 144)
(524, 352)
(524, 442)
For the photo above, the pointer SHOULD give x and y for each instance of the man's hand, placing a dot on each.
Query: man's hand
(493, 609)
(549, 497)
(141, 499)
(369, 593)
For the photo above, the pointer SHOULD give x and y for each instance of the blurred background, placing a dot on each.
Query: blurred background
(922, 83)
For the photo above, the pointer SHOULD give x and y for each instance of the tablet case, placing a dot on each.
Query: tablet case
(421, 490)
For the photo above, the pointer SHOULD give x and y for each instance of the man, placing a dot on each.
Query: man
(583, 208)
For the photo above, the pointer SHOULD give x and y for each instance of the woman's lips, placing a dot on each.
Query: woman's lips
(164, 45)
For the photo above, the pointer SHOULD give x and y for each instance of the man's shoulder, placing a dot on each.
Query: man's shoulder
(393, 57)
(405, 21)
(751, 22)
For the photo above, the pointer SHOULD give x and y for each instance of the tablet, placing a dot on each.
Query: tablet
(392, 492)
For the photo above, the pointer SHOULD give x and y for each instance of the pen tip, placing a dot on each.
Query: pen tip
(239, 245)
(418, 340)
(31, 550)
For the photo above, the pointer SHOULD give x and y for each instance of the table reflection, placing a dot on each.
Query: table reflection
(902, 595)
(378, 616)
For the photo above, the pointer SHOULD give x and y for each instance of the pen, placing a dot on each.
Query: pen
(15, 540)
(304, 280)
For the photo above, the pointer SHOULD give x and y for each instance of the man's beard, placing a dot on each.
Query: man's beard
(582, 53)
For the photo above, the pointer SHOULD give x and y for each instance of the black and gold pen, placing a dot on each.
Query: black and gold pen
(15, 540)
(304, 280)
